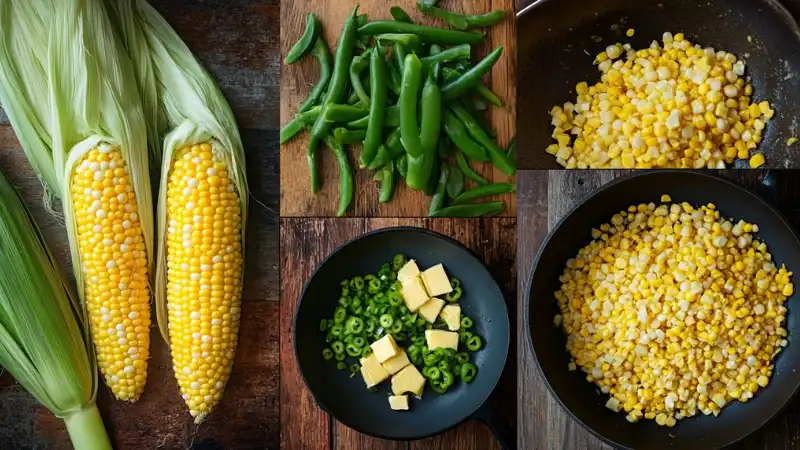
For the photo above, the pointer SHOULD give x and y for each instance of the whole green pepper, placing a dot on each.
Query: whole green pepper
(306, 41)
(357, 66)
(463, 164)
(400, 15)
(345, 176)
(323, 56)
(463, 21)
(472, 77)
(471, 210)
(457, 133)
(484, 191)
(431, 35)
(420, 167)
(336, 89)
(499, 158)
(349, 137)
(437, 201)
(377, 107)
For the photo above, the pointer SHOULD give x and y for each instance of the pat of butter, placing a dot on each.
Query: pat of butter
(372, 371)
(398, 402)
(451, 314)
(430, 310)
(414, 294)
(436, 281)
(408, 380)
(396, 362)
(408, 272)
(441, 339)
(384, 348)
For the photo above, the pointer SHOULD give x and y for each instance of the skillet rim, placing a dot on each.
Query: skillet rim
(584, 200)
(322, 405)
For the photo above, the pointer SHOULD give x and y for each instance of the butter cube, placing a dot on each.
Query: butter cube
(441, 339)
(414, 293)
(408, 272)
(384, 348)
(396, 362)
(372, 370)
(430, 310)
(451, 314)
(398, 402)
(436, 281)
(408, 380)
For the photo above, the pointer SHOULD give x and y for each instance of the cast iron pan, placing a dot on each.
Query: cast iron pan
(548, 343)
(347, 399)
(553, 37)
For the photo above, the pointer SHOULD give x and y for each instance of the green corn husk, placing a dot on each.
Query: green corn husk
(195, 111)
(41, 341)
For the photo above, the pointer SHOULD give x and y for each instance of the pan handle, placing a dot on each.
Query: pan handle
(768, 188)
(500, 429)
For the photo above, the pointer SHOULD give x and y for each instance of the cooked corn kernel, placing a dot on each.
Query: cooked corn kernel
(674, 105)
(673, 310)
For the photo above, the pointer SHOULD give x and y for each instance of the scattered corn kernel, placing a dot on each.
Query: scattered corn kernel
(666, 198)
(630, 32)
(757, 160)
(674, 310)
(791, 141)
(673, 105)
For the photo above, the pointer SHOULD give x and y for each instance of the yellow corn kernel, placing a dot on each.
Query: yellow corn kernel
(757, 160)
(204, 271)
(114, 258)
(630, 32)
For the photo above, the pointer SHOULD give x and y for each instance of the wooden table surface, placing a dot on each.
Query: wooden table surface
(298, 79)
(237, 43)
(304, 243)
(546, 196)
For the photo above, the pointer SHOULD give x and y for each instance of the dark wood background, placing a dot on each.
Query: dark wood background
(238, 41)
(543, 198)
(304, 243)
(298, 79)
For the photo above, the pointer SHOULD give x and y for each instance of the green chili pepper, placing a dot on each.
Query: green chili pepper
(461, 160)
(321, 53)
(336, 89)
(485, 190)
(468, 372)
(437, 201)
(365, 351)
(323, 325)
(339, 315)
(349, 137)
(387, 183)
(463, 21)
(337, 347)
(355, 325)
(430, 35)
(409, 125)
(407, 39)
(457, 133)
(399, 261)
(474, 343)
(327, 354)
(357, 66)
(303, 46)
(443, 365)
(341, 365)
(377, 114)
(455, 183)
(420, 145)
(462, 357)
(374, 285)
(359, 341)
(391, 150)
(472, 210)
(345, 174)
(447, 379)
(394, 78)
(344, 113)
(397, 326)
(470, 79)
(499, 157)
(433, 373)
(391, 119)
(431, 358)
(357, 283)
(466, 323)
(352, 350)
(454, 295)
(462, 51)
(386, 321)
(400, 15)
(488, 94)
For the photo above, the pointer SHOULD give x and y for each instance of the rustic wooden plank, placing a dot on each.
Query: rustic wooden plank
(238, 42)
(297, 80)
(544, 198)
(305, 243)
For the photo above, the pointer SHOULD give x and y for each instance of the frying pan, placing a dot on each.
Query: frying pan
(347, 399)
(548, 343)
(553, 37)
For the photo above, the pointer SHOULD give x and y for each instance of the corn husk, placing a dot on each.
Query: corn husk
(41, 341)
(196, 112)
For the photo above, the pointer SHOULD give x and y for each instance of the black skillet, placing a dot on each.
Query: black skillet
(347, 399)
(579, 397)
(554, 36)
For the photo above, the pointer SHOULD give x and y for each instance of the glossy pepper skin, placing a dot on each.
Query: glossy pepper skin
(379, 90)
(336, 90)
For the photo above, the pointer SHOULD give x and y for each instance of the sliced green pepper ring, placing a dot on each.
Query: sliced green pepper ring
(468, 372)
(454, 295)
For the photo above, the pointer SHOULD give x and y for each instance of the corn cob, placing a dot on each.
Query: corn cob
(114, 264)
(204, 272)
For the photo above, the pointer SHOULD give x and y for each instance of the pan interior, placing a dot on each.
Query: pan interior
(558, 39)
(347, 399)
(579, 396)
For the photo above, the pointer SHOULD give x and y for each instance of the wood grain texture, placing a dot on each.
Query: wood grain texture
(236, 41)
(298, 79)
(305, 243)
(544, 198)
